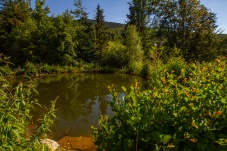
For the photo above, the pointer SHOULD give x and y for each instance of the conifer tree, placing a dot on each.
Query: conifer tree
(85, 34)
(100, 32)
(139, 14)
(12, 14)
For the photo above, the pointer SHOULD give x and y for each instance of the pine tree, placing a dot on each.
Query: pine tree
(12, 15)
(85, 34)
(139, 14)
(100, 32)
(40, 12)
(80, 13)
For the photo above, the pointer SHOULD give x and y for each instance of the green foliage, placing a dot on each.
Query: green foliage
(65, 42)
(165, 53)
(175, 65)
(133, 44)
(12, 15)
(173, 115)
(22, 48)
(5, 70)
(115, 55)
(194, 36)
(85, 48)
(100, 32)
(30, 69)
(32, 35)
(42, 39)
(45, 69)
(17, 131)
(146, 70)
(139, 12)
(136, 67)
(115, 34)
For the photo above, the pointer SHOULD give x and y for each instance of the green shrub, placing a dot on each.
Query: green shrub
(16, 132)
(170, 116)
(5, 70)
(136, 68)
(57, 69)
(70, 69)
(175, 65)
(133, 45)
(4, 66)
(116, 55)
(146, 70)
(107, 69)
(30, 69)
(45, 68)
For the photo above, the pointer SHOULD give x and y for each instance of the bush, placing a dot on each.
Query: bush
(136, 67)
(116, 55)
(45, 69)
(30, 69)
(175, 65)
(146, 70)
(4, 66)
(170, 116)
(57, 69)
(5, 70)
(16, 132)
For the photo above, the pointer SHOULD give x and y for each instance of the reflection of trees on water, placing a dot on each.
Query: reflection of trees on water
(79, 93)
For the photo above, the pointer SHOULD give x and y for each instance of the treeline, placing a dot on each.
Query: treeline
(31, 35)
(155, 29)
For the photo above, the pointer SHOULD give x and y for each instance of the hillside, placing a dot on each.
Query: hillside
(110, 24)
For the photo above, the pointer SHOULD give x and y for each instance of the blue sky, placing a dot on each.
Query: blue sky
(116, 10)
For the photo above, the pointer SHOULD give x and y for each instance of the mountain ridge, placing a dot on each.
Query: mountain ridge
(109, 24)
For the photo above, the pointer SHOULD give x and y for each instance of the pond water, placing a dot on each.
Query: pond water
(82, 98)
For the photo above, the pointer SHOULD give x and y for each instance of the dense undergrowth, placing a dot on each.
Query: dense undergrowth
(17, 131)
(185, 109)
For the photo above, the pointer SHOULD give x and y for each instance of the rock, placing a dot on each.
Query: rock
(77, 143)
(53, 146)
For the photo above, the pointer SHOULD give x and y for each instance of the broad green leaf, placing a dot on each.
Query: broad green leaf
(166, 139)
(194, 124)
(124, 89)
(223, 101)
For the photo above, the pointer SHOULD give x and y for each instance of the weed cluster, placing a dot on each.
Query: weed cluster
(184, 110)
(16, 129)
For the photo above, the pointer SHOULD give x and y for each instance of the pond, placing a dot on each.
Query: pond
(81, 99)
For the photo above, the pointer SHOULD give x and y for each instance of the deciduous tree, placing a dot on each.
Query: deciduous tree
(188, 25)
(133, 43)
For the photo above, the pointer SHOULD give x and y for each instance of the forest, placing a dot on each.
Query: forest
(175, 45)
(154, 29)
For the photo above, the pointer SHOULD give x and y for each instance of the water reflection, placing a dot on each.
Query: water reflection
(82, 98)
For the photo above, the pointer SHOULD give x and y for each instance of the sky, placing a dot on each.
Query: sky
(116, 10)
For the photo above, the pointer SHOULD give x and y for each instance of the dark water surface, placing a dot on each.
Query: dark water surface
(82, 98)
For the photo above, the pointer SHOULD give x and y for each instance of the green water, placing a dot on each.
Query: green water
(82, 98)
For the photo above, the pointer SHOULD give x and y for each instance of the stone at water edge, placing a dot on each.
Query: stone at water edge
(53, 146)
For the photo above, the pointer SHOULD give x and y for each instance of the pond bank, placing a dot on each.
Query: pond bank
(77, 143)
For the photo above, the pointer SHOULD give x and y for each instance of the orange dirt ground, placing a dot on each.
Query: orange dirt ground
(77, 143)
